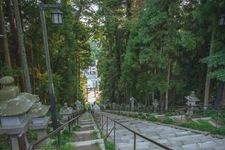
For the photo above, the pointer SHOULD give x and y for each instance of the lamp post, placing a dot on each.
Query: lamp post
(56, 19)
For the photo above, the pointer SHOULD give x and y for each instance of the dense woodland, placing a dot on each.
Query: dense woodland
(147, 49)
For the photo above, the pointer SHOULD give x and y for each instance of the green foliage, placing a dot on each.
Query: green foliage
(5, 142)
(198, 125)
(219, 131)
(68, 46)
(8, 71)
(109, 145)
(31, 135)
(216, 115)
(94, 134)
(150, 117)
(76, 128)
(47, 147)
(168, 120)
(217, 61)
(66, 136)
(64, 147)
(147, 116)
(203, 125)
(43, 85)
(67, 147)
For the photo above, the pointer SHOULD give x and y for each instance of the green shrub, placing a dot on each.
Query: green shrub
(67, 147)
(203, 125)
(52, 147)
(151, 118)
(109, 145)
(31, 135)
(94, 134)
(5, 142)
(75, 128)
(200, 125)
(220, 131)
(141, 116)
(168, 120)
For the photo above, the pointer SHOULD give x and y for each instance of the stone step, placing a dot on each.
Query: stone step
(90, 142)
(219, 147)
(206, 145)
(88, 124)
(84, 132)
(175, 138)
(191, 147)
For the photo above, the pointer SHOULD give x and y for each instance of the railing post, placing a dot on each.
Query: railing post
(21, 142)
(69, 117)
(69, 127)
(107, 125)
(77, 120)
(114, 134)
(102, 121)
(134, 141)
(59, 140)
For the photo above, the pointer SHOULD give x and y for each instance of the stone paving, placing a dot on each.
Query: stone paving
(174, 138)
(84, 138)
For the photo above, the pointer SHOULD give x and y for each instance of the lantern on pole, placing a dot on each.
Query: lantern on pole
(56, 16)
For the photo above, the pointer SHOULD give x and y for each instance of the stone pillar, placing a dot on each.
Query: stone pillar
(14, 142)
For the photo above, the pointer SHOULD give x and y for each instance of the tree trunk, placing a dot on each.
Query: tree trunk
(13, 43)
(4, 37)
(22, 52)
(223, 100)
(207, 82)
(162, 102)
(219, 94)
(168, 83)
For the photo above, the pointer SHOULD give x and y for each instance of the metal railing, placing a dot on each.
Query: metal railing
(74, 118)
(102, 123)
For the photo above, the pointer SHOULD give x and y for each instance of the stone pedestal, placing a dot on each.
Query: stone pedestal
(39, 121)
(13, 126)
(40, 125)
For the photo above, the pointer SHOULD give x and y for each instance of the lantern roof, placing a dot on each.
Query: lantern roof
(39, 110)
(18, 105)
(192, 97)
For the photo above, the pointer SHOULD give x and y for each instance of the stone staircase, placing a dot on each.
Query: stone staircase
(87, 136)
(174, 138)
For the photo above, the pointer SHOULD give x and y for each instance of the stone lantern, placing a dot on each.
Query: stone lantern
(155, 104)
(78, 105)
(132, 100)
(66, 112)
(14, 108)
(191, 103)
(39, 121)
